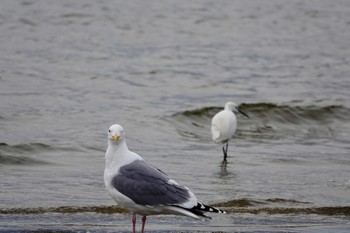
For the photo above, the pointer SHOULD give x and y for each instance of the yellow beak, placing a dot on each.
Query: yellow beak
(115, 137)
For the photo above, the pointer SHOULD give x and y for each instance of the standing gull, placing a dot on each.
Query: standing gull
(224, 124)
(142, 188)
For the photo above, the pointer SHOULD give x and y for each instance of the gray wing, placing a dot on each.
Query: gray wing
(147, 185)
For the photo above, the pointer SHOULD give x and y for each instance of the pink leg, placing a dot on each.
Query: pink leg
(143, 224)
(133, 220)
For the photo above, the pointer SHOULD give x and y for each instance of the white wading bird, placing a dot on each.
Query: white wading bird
(224, 124)
(142, 188)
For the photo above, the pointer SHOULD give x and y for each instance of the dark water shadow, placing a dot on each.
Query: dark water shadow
(223, 169)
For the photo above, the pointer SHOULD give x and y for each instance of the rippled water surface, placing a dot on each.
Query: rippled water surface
(162, 69)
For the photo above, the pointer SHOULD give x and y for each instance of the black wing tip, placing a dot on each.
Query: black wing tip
(200, 208)
(205, 208)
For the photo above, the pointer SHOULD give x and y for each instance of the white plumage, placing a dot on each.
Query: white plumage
(142, 188)
(224, 124)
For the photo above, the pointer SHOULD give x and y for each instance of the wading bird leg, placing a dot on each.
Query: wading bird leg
(133, 220)
(143, 224)
(225, 151)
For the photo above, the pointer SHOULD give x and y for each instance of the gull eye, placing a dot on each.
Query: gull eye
(109, 131)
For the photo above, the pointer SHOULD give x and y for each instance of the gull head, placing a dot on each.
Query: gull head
(116, 133)
(230, 106)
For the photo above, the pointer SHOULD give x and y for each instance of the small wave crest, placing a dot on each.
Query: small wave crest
(27, 154)
(65, 210)
(275, 206)
(239, 206)
(244, 202)
(22, 154)
(329, 211)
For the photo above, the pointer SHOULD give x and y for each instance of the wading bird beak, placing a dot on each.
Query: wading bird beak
(115, 137)
(243, 113)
